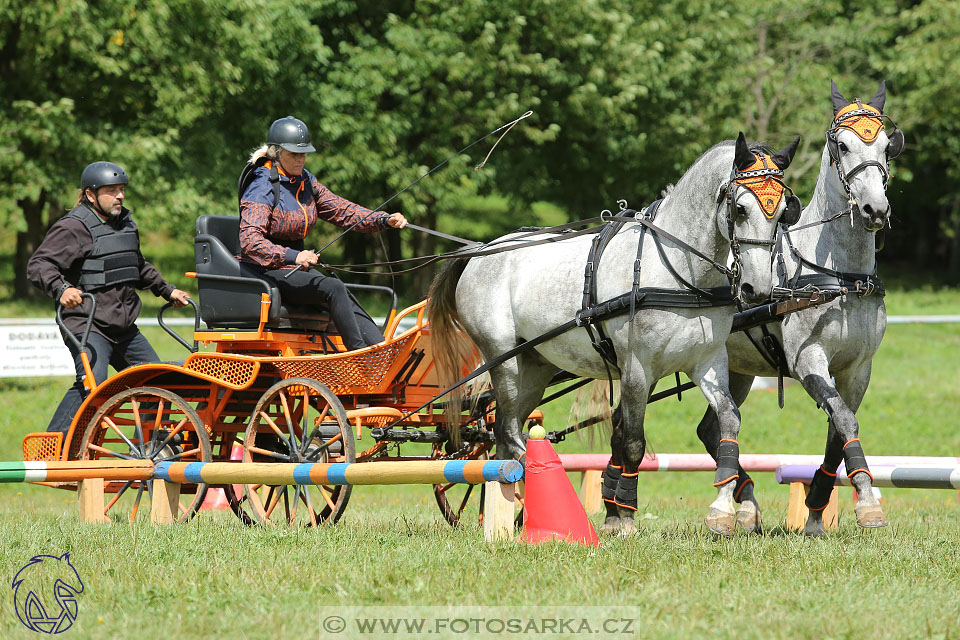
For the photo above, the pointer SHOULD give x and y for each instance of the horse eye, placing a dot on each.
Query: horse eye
(843, 148)
(741, 211)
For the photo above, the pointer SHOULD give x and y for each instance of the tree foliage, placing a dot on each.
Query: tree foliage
(625, 96)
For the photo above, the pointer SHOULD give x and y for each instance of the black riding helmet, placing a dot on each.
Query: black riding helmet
(101, 174)
(290, 134)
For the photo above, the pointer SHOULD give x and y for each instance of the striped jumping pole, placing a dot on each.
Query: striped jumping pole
(362, 473)
(908, 477)
(75, 470)
(757, 462)
(359, 473)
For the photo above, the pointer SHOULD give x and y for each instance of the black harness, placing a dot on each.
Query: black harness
(115, 257)
(593, 313)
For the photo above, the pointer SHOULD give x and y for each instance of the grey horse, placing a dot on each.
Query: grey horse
(829, 349)
(502, 300)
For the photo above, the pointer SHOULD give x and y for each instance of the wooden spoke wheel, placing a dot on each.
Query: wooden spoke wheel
(460, 503)
(463, 503)
(297, 420)
(146, 423)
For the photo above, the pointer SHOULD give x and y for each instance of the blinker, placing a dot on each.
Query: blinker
(895, 147)
(791, 214)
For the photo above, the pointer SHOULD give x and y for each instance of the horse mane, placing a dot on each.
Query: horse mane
(754, 147)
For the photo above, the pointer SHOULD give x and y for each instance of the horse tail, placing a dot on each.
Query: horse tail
(589, 403)
(454, 353)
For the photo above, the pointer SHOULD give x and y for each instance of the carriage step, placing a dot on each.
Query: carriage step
(42, 447)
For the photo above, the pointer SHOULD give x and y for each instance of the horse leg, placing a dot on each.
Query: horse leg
(842, 442)
(713, 381)
(611, 475)
(634, 391)
(748, 515)
(822, 486)
(518, 385)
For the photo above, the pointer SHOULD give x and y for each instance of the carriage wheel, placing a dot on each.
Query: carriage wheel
(298, 420)
(147, 423)
(460, 502)
(463, 503)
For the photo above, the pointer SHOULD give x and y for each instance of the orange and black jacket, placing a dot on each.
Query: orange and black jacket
(273, 236)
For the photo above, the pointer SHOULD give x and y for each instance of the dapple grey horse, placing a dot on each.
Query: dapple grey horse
(829, 349)
(503, 300)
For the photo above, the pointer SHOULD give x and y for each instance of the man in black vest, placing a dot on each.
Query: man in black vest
(95, 248)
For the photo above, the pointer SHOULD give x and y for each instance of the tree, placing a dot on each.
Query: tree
(924, 65)
(141, 86)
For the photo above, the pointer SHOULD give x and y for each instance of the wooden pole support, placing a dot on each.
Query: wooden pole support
(591, 483)
(90, 498)
(498, 511)
(797, 511)
(165, 505)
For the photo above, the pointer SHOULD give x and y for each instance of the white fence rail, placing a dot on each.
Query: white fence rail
(32, 347)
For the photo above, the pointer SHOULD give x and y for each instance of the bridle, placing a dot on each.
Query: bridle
(852, 121)
(867, 130)
(764, 181)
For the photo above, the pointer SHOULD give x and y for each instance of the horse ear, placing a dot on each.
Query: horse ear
(839, 102)
(881, 97)
(743, 157)
(784, 157)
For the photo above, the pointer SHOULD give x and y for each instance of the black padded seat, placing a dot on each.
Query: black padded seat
(230, 292)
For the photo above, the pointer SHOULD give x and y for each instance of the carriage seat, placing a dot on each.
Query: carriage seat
(230, 293)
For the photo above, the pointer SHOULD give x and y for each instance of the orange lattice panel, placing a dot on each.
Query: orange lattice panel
(354, 372)
(42, 447)
(237, 372)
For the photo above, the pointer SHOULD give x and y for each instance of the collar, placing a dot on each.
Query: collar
(114, 221)
(269, 164)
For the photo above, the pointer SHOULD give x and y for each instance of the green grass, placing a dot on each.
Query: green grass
(216, 578)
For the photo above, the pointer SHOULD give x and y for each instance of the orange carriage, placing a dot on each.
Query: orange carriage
(275, 385)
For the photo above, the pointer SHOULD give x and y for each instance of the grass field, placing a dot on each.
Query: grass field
(216, 578)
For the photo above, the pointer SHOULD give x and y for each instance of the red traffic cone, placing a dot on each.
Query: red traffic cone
(551, 508)
(216, 500)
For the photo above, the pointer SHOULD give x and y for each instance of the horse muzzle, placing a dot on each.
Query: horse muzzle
(749, 294)
(873, 218)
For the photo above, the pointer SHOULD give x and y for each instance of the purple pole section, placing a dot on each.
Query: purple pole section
(907, 477)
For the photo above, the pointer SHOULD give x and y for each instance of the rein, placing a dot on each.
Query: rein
(493, 247)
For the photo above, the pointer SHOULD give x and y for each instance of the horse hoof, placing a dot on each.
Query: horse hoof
(870, 517)
(814, 529)
(627, 527)
(721, 523)
(749, 520)
(611, 525)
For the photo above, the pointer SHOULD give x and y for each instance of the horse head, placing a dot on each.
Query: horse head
(858, 140)
(749, 207)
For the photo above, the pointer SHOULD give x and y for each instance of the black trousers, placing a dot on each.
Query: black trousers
(102, 353)
(310, 288)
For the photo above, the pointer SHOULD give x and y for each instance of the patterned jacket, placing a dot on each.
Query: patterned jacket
(272, 237)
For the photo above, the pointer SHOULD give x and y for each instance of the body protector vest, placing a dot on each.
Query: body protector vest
(115, 257)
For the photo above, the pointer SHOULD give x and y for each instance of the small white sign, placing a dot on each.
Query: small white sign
(31, 350)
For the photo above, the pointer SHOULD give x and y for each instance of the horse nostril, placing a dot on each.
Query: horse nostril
(867, 210)
(746, 289)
